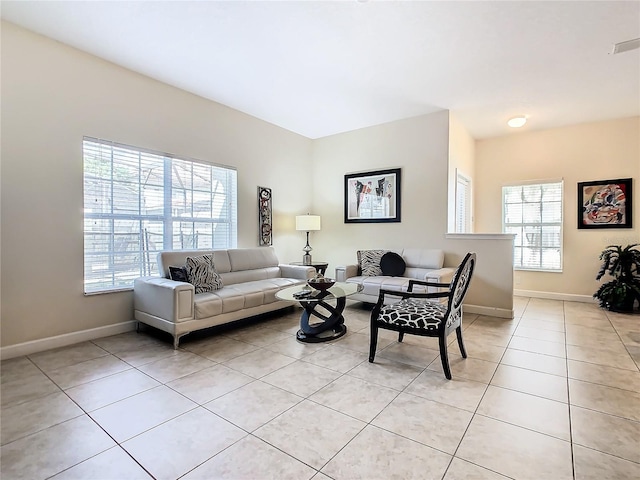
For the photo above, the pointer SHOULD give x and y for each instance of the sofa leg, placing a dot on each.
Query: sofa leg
(176, 341)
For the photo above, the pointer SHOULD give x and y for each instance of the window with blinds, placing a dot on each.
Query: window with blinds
(533, 212)
(138, 202)
(463, 204)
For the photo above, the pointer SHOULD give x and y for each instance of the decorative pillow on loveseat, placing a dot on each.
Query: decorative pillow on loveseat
(369, 262)
(202, 274)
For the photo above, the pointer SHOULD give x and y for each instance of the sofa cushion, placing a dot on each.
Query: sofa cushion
(201, 272)
(239, 296)
(392, 264)
(369, 262)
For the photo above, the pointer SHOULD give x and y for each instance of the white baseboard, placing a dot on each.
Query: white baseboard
(567, 297)
(489, 311)
(35, 346)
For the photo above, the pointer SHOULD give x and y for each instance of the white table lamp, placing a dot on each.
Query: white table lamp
(307, 223)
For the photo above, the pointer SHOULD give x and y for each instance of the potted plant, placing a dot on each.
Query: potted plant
(623, 264)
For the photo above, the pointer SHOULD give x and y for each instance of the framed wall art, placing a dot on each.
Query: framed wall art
(372, 197)
(605, 204)
(265, 233)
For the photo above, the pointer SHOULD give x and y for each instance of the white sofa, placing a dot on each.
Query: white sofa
(251, 277)
(421, 264)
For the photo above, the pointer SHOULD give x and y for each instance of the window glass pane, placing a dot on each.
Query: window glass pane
(551, 236)
(97, 196)
(201, 204)
(201, 177)
(552, 212)
(552, 192)
(126, 198)
(513, 213)
(531, 193)
(152, 201)
(181, 202)
(205, 234)
(531, 257)
(551, 258)
(181, 174)
(531, 236)
(531, 213)
(512, 194)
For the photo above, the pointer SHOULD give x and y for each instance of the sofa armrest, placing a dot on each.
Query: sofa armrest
(346, 271)
(302, 272)
(442, 275)
(164, 298)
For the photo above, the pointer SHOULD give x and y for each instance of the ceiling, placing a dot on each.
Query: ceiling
(320, 68)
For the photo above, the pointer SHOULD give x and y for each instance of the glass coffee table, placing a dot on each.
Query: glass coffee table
(316, 304)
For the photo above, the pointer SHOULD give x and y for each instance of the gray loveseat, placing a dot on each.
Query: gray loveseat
(251, 277)
(420, 264)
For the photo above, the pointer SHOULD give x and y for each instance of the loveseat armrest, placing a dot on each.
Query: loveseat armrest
(346, 271)
(301, 272)
(442, 275)
(164, 298)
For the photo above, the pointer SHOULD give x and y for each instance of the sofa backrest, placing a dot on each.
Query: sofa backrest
(234, 265)
(420, 261)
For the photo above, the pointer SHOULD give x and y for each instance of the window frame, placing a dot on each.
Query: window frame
(100, 159)
(560, 224)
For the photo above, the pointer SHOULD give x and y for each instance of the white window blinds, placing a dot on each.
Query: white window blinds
(533, 212)
(138, 202)
(463, 204)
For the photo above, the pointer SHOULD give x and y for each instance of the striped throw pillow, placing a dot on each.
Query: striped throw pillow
(201, 272)
(369, 262)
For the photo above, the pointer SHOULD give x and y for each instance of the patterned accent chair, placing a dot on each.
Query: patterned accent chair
(417, 315)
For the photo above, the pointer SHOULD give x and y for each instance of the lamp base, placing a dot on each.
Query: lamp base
(306, 259)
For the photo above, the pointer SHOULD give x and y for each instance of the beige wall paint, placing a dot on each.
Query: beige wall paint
(591, 151)
(420, 146)
(52, 95)
(461, 159)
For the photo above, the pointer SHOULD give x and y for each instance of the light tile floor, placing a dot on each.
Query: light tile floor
(553, 394)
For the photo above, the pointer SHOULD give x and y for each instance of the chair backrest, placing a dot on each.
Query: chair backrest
(460, 282)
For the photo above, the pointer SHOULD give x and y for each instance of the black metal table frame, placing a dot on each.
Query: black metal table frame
(312, 333)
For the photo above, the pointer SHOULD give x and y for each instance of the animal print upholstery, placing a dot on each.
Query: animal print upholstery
(201, 272)
(414, 313)
(369, 262)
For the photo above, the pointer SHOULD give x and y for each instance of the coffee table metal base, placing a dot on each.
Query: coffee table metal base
(330, 327)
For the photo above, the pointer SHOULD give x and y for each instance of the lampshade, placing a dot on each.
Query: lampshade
(307, 223)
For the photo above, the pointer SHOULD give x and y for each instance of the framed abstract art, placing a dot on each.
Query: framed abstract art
(605, 204)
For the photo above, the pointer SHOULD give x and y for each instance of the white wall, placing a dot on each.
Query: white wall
(462, 160)
(420, 146)
(52, 95)
(591, 151)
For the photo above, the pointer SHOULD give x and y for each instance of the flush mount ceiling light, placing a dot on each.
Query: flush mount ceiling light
(626, 46)
(517, 122)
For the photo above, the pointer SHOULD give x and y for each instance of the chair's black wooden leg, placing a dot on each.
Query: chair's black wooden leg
(374, 342)
(461, 342)
(400, 336)
(444, 357)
